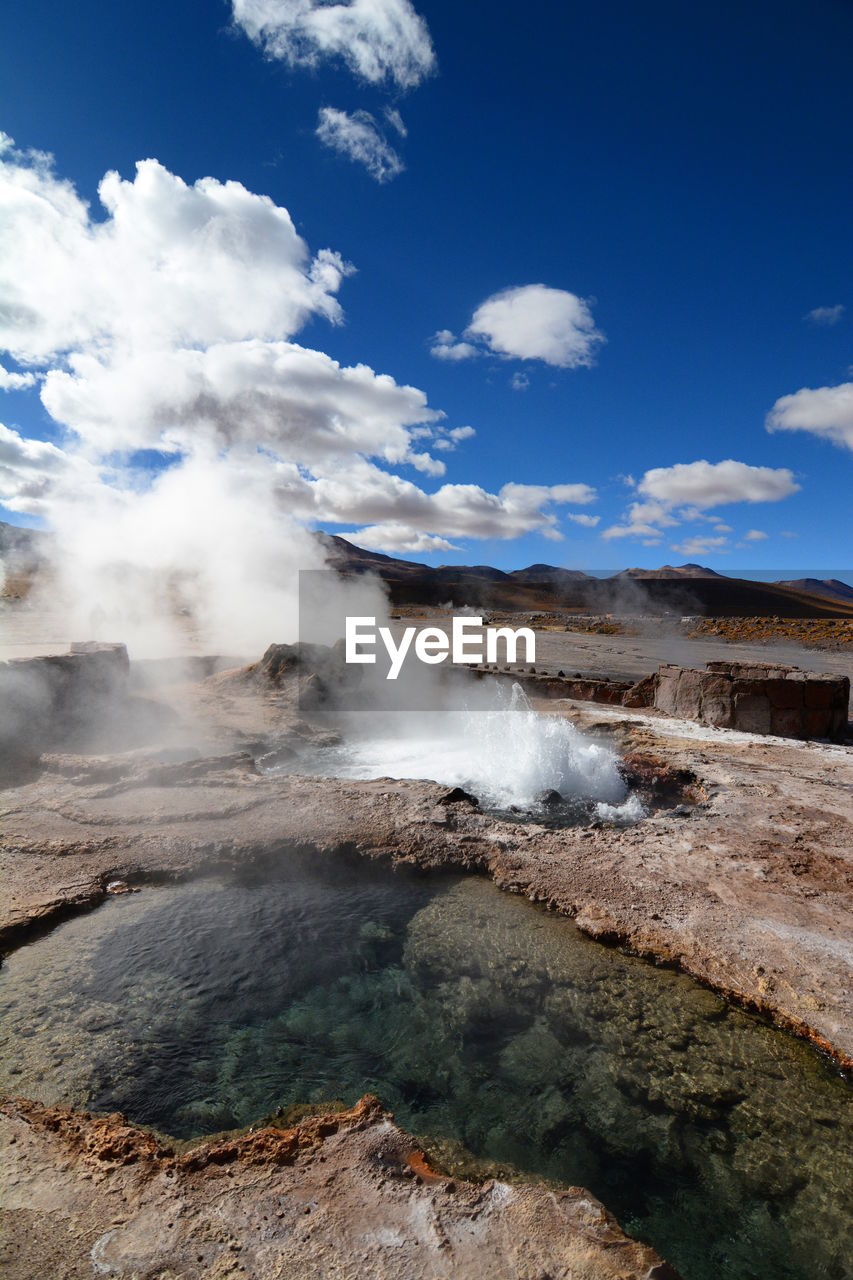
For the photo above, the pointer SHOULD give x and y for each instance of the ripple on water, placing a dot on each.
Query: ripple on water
(492, 1029)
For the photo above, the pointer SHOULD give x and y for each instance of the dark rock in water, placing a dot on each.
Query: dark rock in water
(456, 795)
(118, 887)
(270, 760)
(550, 799)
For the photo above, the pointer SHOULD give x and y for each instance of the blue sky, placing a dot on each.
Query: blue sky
(676, 175)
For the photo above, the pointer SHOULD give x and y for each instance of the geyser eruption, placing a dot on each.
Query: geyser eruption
(497, 748)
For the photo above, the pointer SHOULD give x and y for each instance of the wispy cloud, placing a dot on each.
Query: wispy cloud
(826, 316)
(701, 546)
(359, 138)
(378, 40)
(392, 115)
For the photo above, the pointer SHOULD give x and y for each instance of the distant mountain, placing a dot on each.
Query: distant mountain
(22, 550)
(831, 588)
(673, 590)
(477, 585)
(540, 588)
(670, 571)
(549, 574)
(350, 558)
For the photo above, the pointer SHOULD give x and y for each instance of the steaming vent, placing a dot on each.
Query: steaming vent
(513, 761)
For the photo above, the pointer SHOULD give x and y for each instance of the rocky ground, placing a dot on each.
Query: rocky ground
(637, 650)
(746, 886)
(813, 633)
(346, 1195)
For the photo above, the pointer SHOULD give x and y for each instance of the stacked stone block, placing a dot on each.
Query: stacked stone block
(760, 698)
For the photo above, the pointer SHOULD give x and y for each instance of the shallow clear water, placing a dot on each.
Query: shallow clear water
(491, 1028)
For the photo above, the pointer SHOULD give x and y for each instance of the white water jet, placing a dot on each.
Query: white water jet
(505, 753)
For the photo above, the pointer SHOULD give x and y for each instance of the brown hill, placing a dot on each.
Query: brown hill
(831, 588)
(680, 589)
(670, 571)
(685, 589)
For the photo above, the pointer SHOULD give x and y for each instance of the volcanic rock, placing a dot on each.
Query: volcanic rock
(345, 1193)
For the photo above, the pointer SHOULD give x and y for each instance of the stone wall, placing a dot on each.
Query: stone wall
(45, 702)
(761, 698)
(613, 693)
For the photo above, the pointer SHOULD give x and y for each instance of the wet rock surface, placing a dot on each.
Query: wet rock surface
(347, 1194)
(750, 891)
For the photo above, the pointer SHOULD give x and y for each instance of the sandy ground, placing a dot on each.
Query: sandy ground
(626, 657)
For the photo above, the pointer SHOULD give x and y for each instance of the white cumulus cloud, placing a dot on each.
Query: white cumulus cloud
(10, 381)
(171, 264)
(398, 537)
(166, 328)
(31, 470)
(359, 493)
(715, 484)
(289, 399)
(826, 412)
(684, 492)
(527, 322)
(445, 346)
